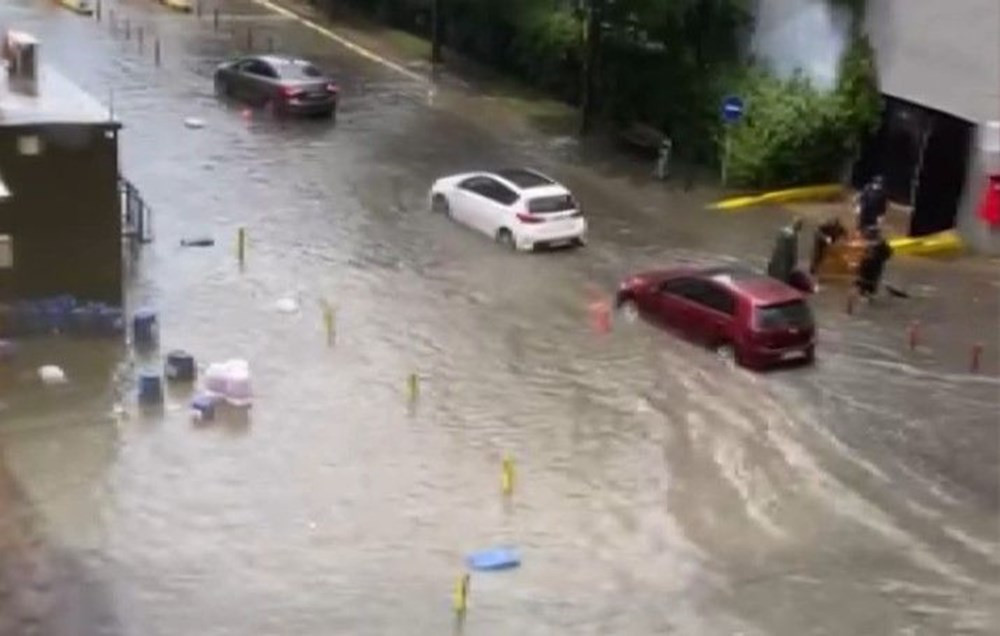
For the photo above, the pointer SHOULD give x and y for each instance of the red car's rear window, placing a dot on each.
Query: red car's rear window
(789, 315)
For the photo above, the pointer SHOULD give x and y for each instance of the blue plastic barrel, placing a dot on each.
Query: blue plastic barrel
(144, 328)
(7, 350)
(111, 321)
(83, 321)
(150, 388)
(180, 367)
(28, 319)
(6, 321)
(204, 406)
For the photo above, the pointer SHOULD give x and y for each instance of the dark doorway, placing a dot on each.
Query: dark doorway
(923, 156)
(942, 176)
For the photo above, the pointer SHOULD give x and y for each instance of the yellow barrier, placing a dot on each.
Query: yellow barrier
(791, 195)
(83, 7)
(940, 244)
(507, 476)
(179, 5)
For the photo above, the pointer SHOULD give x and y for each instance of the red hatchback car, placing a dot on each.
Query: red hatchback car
(763, 321)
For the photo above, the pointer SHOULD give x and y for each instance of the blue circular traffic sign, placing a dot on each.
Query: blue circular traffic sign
(732, 109)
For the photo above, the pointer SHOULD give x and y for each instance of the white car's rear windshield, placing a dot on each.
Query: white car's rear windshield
(791, 315)
(548, 205)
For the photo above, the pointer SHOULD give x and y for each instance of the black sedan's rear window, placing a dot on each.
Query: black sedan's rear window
(544, 205)
(298, 70)
(791, 315)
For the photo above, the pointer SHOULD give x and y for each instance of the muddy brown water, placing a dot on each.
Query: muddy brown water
(658, 489)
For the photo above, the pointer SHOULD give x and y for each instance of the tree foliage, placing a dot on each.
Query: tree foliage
(666, 63)
(795, 134)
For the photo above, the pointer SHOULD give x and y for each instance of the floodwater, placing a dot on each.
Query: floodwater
(658, 490)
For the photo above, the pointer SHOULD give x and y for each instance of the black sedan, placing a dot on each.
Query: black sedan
(286, 85)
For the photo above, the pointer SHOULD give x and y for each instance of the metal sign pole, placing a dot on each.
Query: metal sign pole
(725, 155)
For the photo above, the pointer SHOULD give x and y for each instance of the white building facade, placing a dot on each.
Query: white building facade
(939, 67)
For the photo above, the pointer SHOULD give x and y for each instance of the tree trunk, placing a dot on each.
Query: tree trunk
(595, 16)
(437, 31)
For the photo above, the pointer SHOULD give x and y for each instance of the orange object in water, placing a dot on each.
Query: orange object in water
(913, 334)
(977, 353)
(600, 316)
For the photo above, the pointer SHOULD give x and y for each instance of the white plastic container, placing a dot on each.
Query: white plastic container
(238, 389)
(51, 374)
(215, 378)
(230, 380)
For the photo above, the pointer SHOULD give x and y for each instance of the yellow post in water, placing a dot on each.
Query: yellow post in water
(413, 386)
(241, 245)
(507, 476)
(460, 598)
(330, 323)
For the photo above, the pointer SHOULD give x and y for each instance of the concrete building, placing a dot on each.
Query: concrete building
(939, 67)
(61, 221)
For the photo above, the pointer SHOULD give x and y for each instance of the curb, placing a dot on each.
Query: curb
(823, 192)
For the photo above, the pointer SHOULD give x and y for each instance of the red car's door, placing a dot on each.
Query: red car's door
(713, 310)
(670, 307)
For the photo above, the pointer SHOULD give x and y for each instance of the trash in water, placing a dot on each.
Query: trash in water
(494, 559)
(51, 374)
(230, 380)
(199, 241)
(150, 388)
(144, 327)
(180, 367)
(203, 406)
(194, 122)
(287, 305)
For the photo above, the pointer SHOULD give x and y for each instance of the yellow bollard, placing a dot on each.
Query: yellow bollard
(413, 386)
(460, 599)
(241, 245)
(330, 322)
(507, 476)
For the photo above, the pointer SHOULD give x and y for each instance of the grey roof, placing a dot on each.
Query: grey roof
(57, 101)
(945, 55)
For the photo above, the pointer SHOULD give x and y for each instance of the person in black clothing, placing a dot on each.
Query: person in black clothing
(870, 270)
(872, 204)
(826, 235)
(785, 255)
(785, 258)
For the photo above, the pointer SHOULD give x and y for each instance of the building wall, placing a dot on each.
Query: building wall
(945, 55)
(63, 213)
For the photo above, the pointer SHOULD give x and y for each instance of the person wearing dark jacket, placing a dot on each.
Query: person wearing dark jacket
(872, 266)
(872, 204)
(826, 235)
(785, 255)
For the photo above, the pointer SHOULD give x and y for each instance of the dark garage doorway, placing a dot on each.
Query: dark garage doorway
(923, 154)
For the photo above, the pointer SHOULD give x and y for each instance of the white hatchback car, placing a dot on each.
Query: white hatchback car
(519, 208)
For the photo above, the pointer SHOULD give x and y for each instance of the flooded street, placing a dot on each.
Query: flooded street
(659, 490)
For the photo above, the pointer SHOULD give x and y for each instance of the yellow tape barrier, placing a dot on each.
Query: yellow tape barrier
(83, 7)
(179, 5)
(807, 193)
(940, 244)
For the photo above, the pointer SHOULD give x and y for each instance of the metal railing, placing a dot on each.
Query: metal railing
(137, 217)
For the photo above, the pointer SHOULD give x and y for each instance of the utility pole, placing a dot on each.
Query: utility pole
(437, 31)
(591, 55)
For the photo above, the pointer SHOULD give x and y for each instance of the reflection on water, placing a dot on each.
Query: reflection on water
(658, 488)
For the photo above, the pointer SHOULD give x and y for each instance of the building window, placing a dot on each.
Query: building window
(30, 145)
(6, 251)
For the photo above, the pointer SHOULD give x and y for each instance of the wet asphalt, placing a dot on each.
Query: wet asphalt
(658, 489)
